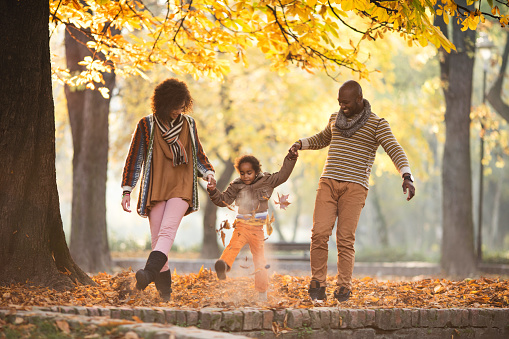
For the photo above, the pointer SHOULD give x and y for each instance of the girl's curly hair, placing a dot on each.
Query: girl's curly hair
(257, 167)
(170, 95)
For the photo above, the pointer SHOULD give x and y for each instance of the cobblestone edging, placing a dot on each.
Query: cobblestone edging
(320, 322)
(143, 330)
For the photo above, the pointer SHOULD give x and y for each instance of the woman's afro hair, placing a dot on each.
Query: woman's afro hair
(169, 96)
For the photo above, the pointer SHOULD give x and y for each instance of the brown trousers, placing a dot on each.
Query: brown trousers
(252, 235)
(342, 200)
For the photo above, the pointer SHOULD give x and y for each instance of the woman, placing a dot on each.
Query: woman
(166, 145)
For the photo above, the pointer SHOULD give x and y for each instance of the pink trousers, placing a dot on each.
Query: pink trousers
(164, 219)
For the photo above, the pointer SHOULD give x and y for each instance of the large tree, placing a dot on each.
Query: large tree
(456, 73)
(33, 241)
(494, 95)
(88, 115)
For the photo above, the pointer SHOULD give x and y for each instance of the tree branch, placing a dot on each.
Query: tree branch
(344, 23)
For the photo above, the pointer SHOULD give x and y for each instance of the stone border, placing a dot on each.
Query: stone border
(143, 330)
(319, 322)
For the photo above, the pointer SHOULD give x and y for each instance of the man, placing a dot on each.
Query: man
(353, 134)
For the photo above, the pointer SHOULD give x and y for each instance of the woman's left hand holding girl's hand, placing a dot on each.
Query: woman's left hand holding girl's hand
(211, 182)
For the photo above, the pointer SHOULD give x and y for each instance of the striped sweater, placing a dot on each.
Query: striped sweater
(351, 159)
(140, 155)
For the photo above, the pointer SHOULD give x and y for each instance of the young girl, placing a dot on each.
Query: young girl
(251, 193)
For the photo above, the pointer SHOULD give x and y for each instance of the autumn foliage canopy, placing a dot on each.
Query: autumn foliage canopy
(202, 37)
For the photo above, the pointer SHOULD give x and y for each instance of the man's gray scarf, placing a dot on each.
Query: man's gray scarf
(348, 128)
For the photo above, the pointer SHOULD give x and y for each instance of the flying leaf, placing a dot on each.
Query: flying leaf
(268, 223)
(282, 201)
(223, 235)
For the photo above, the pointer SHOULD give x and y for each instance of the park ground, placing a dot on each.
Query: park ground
(196, 292)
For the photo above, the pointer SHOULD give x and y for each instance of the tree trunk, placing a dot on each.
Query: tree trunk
(383, 230)
(210, 248)
(276, 225)
(495, 93)
(88, 115)
(298, 207)
(33, 241)
(458, 254)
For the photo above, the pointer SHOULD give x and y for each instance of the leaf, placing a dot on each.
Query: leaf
(223, 235)
(268, 223)
(282, 201)
(63, 326)
(269, 229)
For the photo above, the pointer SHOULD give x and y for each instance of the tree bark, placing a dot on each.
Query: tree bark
(33, 241)
(88, 115)
(456, 68)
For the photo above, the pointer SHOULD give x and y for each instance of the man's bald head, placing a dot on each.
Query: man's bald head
(353, 87)
(350, 98)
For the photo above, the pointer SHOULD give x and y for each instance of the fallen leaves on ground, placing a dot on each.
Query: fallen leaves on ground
(195, 291)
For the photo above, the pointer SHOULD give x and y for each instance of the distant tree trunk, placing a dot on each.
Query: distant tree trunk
(495, 93)
(494, 97)
(88, 115)
(382, 223)
(298, 206)
(276, 225)
(210, 248)
(456, 68)
(33, 240)
(495, 239)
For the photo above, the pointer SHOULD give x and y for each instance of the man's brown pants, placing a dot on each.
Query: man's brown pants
(342, 200)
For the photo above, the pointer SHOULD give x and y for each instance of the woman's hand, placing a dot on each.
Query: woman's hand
(126, 202)
(211, 182)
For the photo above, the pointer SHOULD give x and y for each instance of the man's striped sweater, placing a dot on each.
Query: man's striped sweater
(351, 159)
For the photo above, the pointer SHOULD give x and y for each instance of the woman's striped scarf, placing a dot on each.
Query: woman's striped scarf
(171, 136)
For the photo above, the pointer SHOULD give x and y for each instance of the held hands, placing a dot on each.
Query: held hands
(211, 182)
(292, 155)
(407, 184)
(293, 151)
(126, 202)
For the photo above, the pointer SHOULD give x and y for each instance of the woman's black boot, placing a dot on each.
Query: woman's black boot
(155, 262)
(163, 285)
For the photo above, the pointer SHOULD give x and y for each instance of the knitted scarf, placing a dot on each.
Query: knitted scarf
(171, 136)
(348, 128)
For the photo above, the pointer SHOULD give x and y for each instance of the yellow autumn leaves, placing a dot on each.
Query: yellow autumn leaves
(202, 39)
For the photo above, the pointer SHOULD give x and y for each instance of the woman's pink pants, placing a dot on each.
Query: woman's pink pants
(164, 219)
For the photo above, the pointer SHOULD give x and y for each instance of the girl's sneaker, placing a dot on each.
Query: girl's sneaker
(221, 266)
